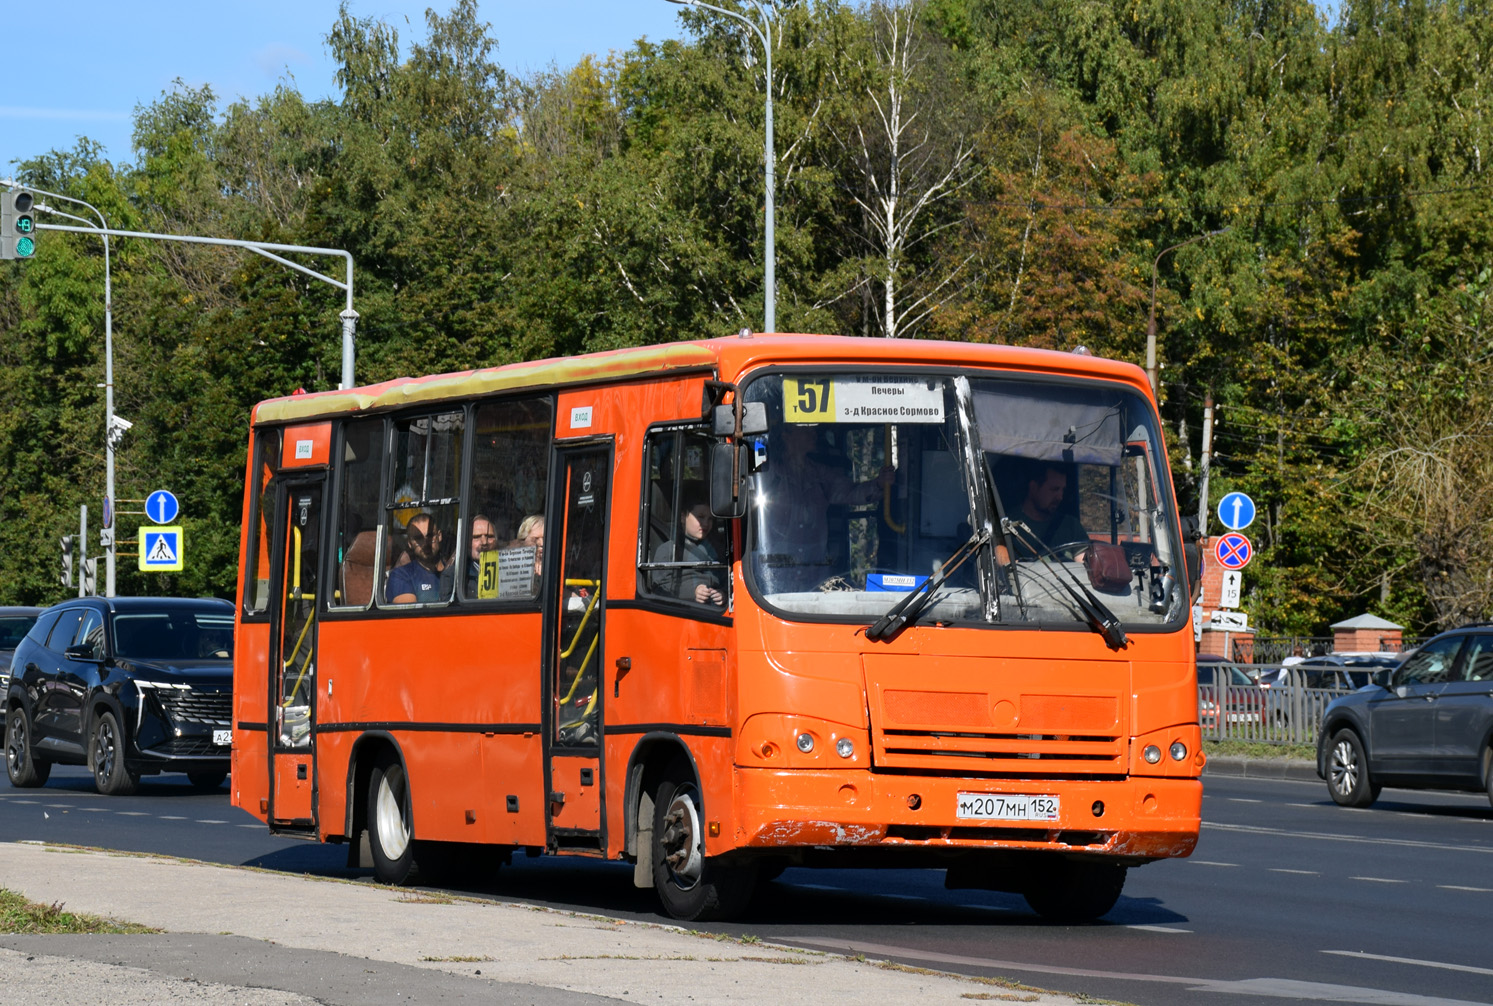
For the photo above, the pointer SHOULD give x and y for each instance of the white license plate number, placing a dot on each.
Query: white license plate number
(222, 738)
(1006, 807)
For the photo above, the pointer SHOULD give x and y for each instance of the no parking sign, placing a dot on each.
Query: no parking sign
(1233, 551)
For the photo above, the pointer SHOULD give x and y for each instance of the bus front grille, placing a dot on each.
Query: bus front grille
(1003, 753)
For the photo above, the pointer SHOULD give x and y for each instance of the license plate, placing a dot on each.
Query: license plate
(222, 738)
(1006, 807)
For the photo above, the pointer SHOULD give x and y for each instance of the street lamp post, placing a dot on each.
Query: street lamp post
(1151, 320)
(769, 255)
(110, 434)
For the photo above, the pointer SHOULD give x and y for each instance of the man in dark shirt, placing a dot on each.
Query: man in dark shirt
(419, 580)
(1042, 511)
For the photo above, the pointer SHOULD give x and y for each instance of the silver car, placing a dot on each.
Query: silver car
(1430, 727)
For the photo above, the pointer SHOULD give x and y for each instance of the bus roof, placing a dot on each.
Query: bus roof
(730, 356)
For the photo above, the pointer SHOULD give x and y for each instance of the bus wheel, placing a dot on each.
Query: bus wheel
(1076, 890)
(690, 885)
(21, 764)
(389, 835)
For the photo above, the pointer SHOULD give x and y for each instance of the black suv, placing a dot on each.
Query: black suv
(128, 686)
(1430, 726)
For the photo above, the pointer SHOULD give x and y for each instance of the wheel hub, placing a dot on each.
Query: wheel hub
(681, 840)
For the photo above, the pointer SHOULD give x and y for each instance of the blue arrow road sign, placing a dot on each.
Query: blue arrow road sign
(161, 507)
(1233, 551)
(1237, 511)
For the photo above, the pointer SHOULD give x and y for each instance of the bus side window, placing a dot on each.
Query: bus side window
(262, 513)
(423, 510)
(357, 503)
(683, 550)
(510, 476)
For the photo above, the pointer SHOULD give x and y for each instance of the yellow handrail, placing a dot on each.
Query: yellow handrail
(590, 607)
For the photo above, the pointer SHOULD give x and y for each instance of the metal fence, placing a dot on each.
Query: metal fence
(1286, 713)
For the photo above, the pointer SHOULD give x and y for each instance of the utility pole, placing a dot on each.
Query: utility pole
(1203, 468)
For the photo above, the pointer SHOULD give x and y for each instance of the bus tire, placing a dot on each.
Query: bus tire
(690, 885)
(1348, 772)
(21, 764)
(111, 776)
(390, 835)
(1070, 891)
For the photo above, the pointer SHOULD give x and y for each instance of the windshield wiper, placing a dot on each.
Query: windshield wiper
(906, 611)
(1100, 617)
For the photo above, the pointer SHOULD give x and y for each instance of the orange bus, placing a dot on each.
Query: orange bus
(718, 608)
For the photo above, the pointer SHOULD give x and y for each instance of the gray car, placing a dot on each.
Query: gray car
(15, 622)
(1430, 727)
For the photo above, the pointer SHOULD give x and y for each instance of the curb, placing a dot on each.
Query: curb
(1298, 769)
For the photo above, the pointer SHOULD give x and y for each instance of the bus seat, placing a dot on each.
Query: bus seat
(357, 570)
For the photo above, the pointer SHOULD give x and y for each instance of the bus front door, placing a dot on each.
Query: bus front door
(575, 622)
(292, 677)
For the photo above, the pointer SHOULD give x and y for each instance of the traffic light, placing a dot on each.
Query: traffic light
(67, 560)
(90, 577)
(17, 224)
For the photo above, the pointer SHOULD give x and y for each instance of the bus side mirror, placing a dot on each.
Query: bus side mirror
(1192, 555)
(753, 419)
(729, 465)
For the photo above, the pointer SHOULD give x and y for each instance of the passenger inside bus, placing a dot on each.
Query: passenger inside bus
(419, 580)
(701, 584)
(803, 483)
(484, 539)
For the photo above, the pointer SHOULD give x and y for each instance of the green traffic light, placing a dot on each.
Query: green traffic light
(25, 247)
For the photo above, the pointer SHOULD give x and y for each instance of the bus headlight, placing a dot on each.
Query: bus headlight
(806, 742)
(1152, 754)
(1179, 751)
(845, 747)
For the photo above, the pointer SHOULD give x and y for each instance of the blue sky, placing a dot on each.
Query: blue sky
(95, 60)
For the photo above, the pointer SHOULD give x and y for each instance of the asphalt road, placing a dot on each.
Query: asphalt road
(1287, 897)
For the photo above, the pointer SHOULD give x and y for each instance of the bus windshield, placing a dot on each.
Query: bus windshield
(865, 485)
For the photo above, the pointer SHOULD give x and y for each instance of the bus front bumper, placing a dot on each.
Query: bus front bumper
(1139, 818)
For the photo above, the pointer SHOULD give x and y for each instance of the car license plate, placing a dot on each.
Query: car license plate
(1006, 807)
(222, 738)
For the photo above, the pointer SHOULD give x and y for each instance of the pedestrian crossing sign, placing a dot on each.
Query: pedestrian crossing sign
(160, 549)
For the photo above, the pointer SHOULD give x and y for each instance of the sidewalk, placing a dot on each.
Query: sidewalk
(261, 938)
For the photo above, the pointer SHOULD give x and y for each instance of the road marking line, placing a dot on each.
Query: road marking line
(172, 817)
(25, 801)
(1411, 960)
(1380, 880)
(60, 806)
(202, 821)
(1279, 988)
(1330, 837)
(1160, 929)
(1240, 799)
(131, 813)
(1208, 862)
(1458, 887)
(1304, 873)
